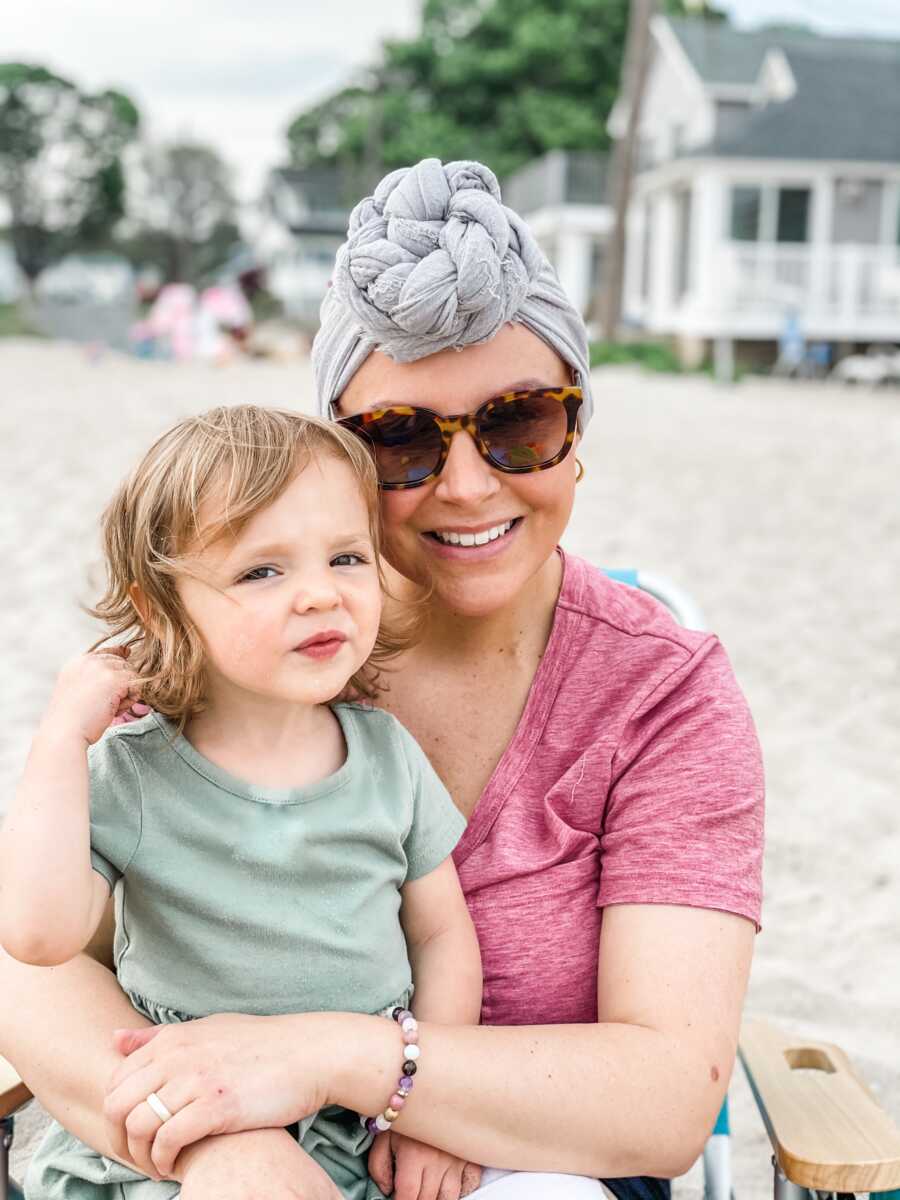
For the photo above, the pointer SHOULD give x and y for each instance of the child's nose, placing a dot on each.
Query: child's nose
(316, 594)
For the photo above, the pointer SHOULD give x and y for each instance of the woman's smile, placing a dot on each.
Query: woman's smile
(468, 543)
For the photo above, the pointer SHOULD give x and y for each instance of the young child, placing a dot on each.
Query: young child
(267, 844)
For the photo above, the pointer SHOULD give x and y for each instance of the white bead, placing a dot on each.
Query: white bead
(410, 1025)
(382, 1123)
(412, 1052)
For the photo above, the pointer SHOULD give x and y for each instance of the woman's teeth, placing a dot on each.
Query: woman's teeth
(451, 538)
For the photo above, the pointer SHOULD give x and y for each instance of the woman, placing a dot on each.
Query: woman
(603, 756)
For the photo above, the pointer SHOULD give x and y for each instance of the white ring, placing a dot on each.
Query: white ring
(159, 1108)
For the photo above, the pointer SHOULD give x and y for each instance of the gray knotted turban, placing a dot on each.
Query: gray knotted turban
(434, 260)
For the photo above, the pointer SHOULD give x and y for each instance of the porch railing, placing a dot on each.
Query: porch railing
(847, 283)
(559, 177)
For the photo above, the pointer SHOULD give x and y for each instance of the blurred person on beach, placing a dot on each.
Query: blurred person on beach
(273, 847)
(603, 758)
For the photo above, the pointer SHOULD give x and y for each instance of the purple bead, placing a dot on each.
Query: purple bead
(371, 1126)
(405, 1082)
(405, 1014)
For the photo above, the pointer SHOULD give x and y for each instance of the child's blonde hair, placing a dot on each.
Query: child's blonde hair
(243, 458)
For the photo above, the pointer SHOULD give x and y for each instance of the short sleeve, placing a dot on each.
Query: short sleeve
(684, 817)
(437, 824)
(115, 807)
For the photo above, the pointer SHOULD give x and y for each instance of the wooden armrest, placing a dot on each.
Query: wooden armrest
(826, 1128)
(13, 1092)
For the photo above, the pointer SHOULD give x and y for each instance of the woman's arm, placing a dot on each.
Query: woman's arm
(635, 1094)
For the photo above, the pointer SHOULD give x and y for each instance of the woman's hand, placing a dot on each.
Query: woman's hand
(221, 1074)
(244, 1166)
(410, 1170)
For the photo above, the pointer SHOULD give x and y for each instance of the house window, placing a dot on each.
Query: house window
(857, 211)
(683, 243)
(770, 214)
(746, 203)
(598, 267)
(793, 215)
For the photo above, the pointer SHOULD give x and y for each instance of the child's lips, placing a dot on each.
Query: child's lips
(322, 645)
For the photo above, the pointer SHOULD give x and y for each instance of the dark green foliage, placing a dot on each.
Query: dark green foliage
(503, 81)
(106, 205)
(14, 323)
(653, 356)
(60, 163)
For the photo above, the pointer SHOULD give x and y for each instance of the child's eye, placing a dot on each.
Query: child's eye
(348, 560)
(258, 573)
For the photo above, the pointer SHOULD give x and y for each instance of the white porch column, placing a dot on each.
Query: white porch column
(707, 235)
(662, 266)
(636, 232)
(574, 255)
(820, 231)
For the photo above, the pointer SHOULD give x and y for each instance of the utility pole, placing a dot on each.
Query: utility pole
(634, 77)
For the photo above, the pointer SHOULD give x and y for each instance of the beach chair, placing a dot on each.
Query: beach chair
(829, 1135)
(13, 1096)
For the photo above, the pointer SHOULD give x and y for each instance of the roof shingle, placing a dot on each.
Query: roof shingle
(847, 103)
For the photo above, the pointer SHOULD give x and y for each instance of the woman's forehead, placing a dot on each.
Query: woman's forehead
(514, 360)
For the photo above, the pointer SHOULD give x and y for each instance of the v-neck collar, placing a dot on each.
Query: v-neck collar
(560, 649)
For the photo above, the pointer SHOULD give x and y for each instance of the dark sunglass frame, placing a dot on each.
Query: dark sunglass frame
(571, 398)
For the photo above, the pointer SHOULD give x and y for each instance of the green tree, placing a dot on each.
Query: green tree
(182, 212)
(502, 81)
(60, 163)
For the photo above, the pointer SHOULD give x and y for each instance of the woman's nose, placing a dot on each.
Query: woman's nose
(466, 478)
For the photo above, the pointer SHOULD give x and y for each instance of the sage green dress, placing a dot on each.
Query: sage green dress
(236, 898)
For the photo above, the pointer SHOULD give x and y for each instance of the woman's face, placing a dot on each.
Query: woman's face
(470, 496)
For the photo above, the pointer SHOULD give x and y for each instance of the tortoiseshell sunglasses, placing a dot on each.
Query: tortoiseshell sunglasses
(518, 432)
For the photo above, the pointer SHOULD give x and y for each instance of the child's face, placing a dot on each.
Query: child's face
(292, 606)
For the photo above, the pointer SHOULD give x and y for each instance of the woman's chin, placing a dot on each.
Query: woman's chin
(478, 595)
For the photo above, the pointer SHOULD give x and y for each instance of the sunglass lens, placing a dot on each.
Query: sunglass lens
(525, 432)
(407, 445)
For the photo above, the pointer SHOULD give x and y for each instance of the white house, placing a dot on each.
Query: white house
(563, 197)
(767, 188)
(301, 222)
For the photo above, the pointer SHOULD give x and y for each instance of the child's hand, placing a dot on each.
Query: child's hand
(91, 691)
(410, 1170)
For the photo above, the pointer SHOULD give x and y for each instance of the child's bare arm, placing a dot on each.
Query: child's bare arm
(51, 900)
(443, 948)
(446, 969)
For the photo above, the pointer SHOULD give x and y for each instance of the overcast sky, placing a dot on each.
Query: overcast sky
(233, 72)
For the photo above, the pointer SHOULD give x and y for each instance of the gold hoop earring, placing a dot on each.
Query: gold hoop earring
(579, 474)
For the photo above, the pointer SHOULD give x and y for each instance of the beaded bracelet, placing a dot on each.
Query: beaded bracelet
(409, 1027)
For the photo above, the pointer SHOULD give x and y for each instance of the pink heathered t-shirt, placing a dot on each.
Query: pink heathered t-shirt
(634, 777)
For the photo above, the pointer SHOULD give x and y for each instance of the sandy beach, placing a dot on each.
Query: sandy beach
(775, 504)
